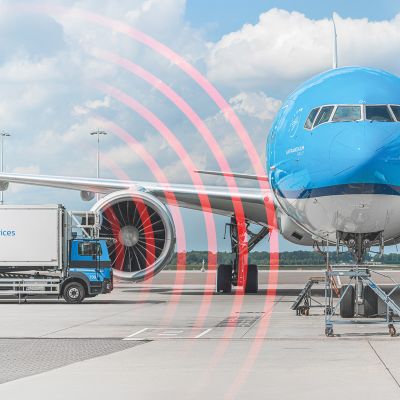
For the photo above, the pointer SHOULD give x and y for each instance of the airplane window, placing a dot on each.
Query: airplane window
(378, 113)
(347, 114)
(396, 112)
(323, 115)
(311, 118)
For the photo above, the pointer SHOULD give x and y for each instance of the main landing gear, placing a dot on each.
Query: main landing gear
(239, 273)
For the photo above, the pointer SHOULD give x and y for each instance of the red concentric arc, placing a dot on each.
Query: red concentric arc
(201, 127)
(181, 152)
(230, 116)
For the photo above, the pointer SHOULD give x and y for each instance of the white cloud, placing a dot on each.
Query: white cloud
(91, 105)
(50, 106)
(255, 104)
(30, 169)
(284, 48)
(22, 70)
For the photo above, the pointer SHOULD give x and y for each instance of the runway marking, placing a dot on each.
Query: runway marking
(130, 337)
(168, 333)
(203, 333)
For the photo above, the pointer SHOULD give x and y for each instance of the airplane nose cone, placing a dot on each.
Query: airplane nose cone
(347, 150)
(361, 150)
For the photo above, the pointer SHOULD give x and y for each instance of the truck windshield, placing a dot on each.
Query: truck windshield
(89, 249)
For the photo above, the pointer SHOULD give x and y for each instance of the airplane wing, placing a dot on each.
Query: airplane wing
(221, 198)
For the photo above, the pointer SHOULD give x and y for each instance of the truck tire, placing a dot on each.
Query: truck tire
(74, 293)
(348, 303)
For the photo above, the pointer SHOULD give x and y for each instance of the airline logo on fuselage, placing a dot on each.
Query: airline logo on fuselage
(297, 149)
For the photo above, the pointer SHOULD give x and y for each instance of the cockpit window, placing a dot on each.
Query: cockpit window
(352, 113)
(378, 113)
(311, 117)
(323, 115)
(347, 114)
(396, 112)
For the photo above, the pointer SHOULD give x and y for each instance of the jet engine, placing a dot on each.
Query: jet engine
(143, 231)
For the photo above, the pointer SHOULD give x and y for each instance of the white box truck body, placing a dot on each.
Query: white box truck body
(47, 251)
(31, 236)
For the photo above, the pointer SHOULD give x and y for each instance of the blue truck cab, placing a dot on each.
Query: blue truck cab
(89, 271)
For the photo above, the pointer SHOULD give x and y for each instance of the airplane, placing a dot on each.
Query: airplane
(333, 171)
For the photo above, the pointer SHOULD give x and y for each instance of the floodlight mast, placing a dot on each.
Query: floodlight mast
(98, 133)
(3, 135)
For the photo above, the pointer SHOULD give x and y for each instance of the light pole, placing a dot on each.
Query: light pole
(3, 135)
(98, 133)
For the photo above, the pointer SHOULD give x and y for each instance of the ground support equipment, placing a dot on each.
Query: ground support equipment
(360, 276)
(304, 300)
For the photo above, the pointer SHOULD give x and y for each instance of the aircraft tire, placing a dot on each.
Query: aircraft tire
(252, 279)
(347, 305)
(224, 278)
(370, 302)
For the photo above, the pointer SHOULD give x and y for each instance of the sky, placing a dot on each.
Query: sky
(59, 74)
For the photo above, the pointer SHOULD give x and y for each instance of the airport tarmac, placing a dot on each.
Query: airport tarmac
(173, 338)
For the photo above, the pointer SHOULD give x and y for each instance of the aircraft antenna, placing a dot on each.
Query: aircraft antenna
(335, 49)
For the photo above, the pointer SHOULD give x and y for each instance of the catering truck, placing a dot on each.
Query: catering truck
(47, 251)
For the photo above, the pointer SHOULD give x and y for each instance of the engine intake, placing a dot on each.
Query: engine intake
(143, 232)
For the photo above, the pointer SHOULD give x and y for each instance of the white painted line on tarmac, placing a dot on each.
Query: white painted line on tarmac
(131, 337)
(170, 333)
(203, 333)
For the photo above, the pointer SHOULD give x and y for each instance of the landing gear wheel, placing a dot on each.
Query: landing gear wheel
(329, 332)
(347, 305)
(224, 278)
(74, 293)
(252, 279)
(370, 302)
(392, 330)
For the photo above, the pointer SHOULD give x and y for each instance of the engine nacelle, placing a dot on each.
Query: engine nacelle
(143, 232)
(4, 186)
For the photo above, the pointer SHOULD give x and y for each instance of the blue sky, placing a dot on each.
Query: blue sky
(219, 17)
(48, 102)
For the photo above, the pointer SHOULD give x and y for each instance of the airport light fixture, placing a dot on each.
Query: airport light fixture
(98, 133)
(3, 135)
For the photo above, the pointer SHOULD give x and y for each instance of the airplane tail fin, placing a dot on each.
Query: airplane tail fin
(335, 47)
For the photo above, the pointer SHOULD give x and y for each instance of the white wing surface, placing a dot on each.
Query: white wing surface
(221, 198)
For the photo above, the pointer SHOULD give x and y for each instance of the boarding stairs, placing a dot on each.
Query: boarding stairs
(303, 302)
(382, 295)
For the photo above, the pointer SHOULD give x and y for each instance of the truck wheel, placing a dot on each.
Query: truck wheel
(74, 293)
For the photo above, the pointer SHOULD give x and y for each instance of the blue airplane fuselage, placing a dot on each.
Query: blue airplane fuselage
(352, 168)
